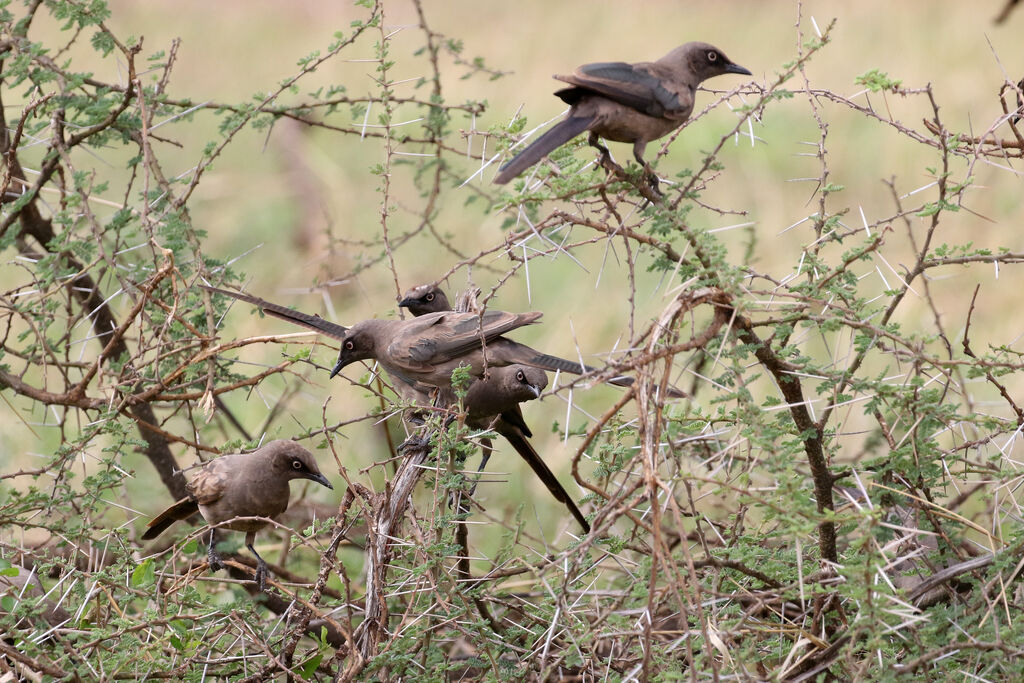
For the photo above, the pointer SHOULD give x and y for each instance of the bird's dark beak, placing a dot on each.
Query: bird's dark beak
(406, 303)
(338, 367)
(535, 390)
(737, 69)
(320, 479)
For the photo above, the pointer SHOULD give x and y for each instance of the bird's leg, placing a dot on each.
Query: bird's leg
(456, 497)
(649, 175)
(213, 557)
(606, 157)
(261, 566)
(416, 442)
(462, 537)
(486, 448)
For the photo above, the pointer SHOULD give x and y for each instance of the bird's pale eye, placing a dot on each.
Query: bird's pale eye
(349, 345)
(297, 464)
(712, 56)
(521, 376)
(429, 297)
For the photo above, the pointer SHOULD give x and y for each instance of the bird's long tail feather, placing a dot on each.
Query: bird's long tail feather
(554, 364)
(544, 473)
(312, 322)
(559, 134)
(183, 509)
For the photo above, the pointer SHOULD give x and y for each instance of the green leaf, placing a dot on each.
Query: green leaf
(308, 669)
(876, 81)
(144, 574)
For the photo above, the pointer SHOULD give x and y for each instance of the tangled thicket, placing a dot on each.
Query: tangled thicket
(835, 497)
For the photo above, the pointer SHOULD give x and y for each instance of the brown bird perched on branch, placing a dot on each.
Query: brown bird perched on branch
(493, 402)
(231, 490)
(428, 348)
(492, 399)
(622, 102)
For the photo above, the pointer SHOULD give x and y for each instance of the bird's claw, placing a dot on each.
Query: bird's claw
(651, 178)
(459, 502)
(212, 556)
(261, 576)
(414, 443)
(216, 563)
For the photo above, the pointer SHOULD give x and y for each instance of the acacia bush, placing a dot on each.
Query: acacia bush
(834, 498)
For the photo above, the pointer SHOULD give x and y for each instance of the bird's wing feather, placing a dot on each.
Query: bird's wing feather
(638, 86)
(208, 485)
(452, 335)
(514, 417)
(465, 332)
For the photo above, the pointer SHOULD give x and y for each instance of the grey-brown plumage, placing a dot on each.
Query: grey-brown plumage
(1005, 12)
(312, 322)
(242, 486)
(424, 299)
(427, 349)
(503, 389)
(634, 103)
(492, 401)
(25, 587)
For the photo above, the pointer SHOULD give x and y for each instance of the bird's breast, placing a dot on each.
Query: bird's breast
(258, 499)
(218, 516)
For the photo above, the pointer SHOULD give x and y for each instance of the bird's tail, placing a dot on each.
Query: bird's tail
(555, 364)
(556, 136)
(312, 322)
(183, 509)
(543, 472)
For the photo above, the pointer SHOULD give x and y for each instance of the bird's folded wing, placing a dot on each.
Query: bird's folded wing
(514, 417)
(453, 335)
(208, 484)
(633, 85)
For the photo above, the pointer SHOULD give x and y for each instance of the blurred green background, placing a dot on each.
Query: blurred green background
(292, 204)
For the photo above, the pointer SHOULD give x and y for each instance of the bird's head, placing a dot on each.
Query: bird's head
(295, 462)
(425, 299)
(502, 387)
(704, 61)
(358, 344)
(529, 381)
